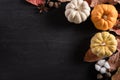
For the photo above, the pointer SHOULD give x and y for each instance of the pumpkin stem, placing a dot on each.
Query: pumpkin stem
(77, 8)
(104, 17)
(103, 44)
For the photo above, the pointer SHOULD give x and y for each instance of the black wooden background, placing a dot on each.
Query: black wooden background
(46, 46)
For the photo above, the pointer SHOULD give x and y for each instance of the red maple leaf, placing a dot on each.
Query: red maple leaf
(36, 2)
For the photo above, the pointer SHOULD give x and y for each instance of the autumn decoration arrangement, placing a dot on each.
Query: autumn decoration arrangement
(104, 47)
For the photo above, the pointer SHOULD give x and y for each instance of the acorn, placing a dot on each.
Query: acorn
(99, 76)
(108, 74)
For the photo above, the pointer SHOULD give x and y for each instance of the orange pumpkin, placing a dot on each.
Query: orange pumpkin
(104, 16)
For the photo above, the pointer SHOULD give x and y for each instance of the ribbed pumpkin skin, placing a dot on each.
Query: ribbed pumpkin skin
(77, 11)
(103, 44)
(104, 16)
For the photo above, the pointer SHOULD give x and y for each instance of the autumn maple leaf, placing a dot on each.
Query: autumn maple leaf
(36, 2)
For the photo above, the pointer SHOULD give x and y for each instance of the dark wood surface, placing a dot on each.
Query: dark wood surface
(46, 46)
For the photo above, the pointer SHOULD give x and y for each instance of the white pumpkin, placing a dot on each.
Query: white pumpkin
(77, 11)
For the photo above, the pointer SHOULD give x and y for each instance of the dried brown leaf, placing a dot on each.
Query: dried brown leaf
(112, 1)
(116, 76)
(117, 1)
(114, 61)
(116, 28)
(90, 57)
(64, 1)
(118, 40)
(96, 2)
(89, 1)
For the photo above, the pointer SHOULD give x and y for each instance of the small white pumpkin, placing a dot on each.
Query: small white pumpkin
(77, 11)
